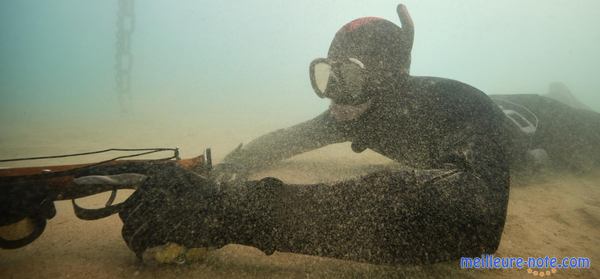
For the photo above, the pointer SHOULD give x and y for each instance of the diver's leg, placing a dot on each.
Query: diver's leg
(569, 136)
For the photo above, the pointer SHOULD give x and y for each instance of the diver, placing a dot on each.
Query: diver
(451, 203)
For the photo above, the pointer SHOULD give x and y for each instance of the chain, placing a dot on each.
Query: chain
(123, 55)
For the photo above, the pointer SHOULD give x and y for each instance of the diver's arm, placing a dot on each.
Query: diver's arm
(285, 143)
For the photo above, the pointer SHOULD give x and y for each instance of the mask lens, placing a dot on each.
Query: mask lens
(321, 74)
(342, 81)
(353, 78)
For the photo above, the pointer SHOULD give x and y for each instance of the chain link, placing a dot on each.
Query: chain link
(123, 55)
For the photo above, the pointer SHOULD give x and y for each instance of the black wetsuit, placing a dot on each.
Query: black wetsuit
(452, 204)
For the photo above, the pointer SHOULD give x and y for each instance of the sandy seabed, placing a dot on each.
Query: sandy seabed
(554, 214)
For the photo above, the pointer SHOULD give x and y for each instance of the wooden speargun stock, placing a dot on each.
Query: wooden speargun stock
(27, 194)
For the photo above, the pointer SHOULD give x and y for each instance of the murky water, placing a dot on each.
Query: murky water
(215, 74)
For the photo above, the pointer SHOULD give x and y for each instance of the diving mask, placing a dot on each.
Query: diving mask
(340, 80)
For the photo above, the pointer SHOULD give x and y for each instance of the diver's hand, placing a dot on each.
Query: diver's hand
(229, 173)
(174, 206)
(175, 210)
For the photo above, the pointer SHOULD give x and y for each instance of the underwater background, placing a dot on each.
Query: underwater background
(223, 73)
(219, 73)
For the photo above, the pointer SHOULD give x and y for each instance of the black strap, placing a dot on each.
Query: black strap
(94, 214)
(40, 225)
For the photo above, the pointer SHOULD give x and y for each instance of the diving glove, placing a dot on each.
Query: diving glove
(182, 207)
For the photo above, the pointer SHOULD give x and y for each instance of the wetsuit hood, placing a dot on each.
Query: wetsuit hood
(376, 42)
(381, 46)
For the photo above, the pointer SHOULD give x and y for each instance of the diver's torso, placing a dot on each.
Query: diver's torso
(425, 122)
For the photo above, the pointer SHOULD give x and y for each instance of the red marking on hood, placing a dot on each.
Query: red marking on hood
(352, 25)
